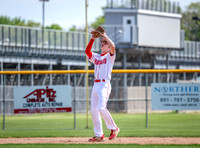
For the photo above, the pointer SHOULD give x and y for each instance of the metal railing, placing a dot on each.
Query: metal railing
(118, 34)
(191, 50)
(15, 39)
(155, 5)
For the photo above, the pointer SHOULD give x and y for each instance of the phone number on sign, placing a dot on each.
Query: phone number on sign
(179, 99)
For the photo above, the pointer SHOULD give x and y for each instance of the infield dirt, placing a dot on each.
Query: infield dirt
(118, 140)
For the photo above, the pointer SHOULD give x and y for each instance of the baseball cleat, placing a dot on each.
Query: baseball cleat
(114, 133)
(98, 139)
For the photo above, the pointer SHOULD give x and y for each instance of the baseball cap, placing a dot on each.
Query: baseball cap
(103, 40)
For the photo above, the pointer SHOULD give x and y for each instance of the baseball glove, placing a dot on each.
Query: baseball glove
(98, 32)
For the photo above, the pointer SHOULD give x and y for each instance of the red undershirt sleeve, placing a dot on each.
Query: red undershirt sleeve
(88, 48)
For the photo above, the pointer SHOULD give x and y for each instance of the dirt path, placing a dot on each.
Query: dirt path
(118, 140)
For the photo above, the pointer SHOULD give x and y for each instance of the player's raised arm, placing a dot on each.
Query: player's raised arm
(110, 43)
(89, 47)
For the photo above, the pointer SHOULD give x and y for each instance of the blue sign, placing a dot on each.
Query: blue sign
(175, 96)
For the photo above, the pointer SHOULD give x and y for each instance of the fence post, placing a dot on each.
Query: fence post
(4, 95)
(125, 83)
(146, 80)
(74, 101)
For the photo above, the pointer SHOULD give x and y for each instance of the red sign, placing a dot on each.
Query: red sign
(39, 93)
(42, 110)
(42, 99)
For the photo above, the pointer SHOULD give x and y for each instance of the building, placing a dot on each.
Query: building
(148, 35)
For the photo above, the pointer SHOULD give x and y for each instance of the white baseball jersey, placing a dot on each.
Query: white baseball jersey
(103, 65)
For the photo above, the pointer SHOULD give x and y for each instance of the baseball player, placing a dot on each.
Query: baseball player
(103, 64)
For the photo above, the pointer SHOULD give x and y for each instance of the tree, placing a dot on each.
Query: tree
(5, 20)
(21, 22)
(33, 24)
(99, 21)
(188, 25)
(54, 26)
(73, 28)
(17, 21)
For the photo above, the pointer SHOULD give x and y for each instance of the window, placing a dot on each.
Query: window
(128, 21)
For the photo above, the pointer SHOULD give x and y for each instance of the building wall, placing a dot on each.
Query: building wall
(116, 18)
(157, 30)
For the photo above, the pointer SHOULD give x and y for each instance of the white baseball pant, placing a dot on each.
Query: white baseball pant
(99, 98)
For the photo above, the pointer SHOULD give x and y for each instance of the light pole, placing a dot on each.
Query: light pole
(43, 20)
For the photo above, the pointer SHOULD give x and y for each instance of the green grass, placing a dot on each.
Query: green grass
(96, 146)
(131, 125)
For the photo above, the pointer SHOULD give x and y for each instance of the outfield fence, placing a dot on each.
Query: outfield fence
(128, 94)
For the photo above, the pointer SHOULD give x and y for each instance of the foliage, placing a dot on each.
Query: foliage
(33, 24)
(73, 28)
(190, 26)
(99, 21)
(54, 26)
(18, 21)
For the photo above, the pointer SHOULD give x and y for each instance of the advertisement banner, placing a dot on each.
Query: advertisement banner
(175, 96)
(42, 99)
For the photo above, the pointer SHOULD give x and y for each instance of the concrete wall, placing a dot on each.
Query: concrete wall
(137, 99)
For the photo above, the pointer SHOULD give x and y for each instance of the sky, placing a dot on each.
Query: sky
(66, 13)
